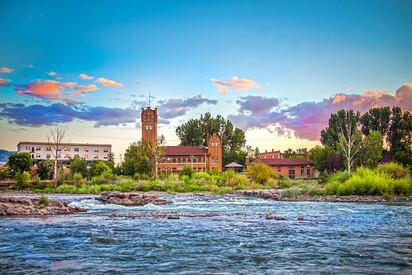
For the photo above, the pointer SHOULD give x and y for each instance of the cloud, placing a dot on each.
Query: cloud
(6, 70)
(39, 115)
(86, 77)
(4, 82)
(69, 84)
(175, 107)
(109, 83)
(235, 83)
(307, 119)
(87, 88)
(52, 73)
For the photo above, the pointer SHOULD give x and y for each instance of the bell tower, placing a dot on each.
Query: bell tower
(149, 125)
(214, 148)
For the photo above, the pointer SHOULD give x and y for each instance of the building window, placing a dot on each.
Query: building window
(291, 172)
(38, 149)
(76, 149)
(86, 149)
(302, 171)
(96, 150)
(37, 156)
(279, 170)
(105, 150)
(28, 148)
(48, 156)
(308, 172)
(48, 148)
(105, 157)
(96, 157)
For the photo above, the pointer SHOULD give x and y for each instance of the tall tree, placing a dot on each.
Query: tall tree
(55, 141)
(376, 119)
(400, 136)
(20, 162)
(372, 149)
(338, 125)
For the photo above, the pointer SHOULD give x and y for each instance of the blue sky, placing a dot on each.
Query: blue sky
(297, 52)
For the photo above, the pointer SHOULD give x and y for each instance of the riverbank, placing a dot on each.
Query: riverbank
(270, 194)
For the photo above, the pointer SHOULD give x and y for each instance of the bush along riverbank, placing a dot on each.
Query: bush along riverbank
(385, 182)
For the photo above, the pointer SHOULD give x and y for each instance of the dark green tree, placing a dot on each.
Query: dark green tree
(45, 171)
(371, 152)
(376, 119)
(399, 136)
(137, 159)
(325, 159)
(98, 167)
(79, 165)
(20, 162)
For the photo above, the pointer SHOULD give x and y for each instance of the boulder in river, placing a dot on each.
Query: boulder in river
(14, 206)
(270, 216)
(131, 199)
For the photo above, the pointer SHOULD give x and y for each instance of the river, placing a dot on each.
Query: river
(332, 238)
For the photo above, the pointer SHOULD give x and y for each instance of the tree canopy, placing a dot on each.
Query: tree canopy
(20, 162)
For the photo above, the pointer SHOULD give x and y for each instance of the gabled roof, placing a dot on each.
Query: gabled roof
(284, 162)
(184, 150)
(234, 165)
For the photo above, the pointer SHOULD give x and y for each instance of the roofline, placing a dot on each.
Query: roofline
(65, 143)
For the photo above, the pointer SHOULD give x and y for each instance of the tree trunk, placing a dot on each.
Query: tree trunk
(55, 173)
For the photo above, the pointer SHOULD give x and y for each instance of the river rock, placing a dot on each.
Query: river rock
(131, 199)
(13, 206)
(169, 215)
(270, 216)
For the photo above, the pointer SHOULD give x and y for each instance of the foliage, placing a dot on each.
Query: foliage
(23, 179)
(5, 172)
(98, 167)
(366, 181)
(371, 152)
(43, 201)
(394, 170)
(45, 169)
(79, 165)
(376, 119)
(399, 136)
(137, 159)
(294, 188)
(196, 132)
(186, 171)
(325, 159)
(20, 162)
(260, 172)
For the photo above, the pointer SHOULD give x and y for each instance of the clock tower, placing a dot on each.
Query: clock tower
(149, 125)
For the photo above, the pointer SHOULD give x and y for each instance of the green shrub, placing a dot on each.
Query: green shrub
(186, 171)
(394, 170)
(260, 172)
(23, 179)
(43, 201)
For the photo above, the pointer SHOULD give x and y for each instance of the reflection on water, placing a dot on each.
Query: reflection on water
(336, 238)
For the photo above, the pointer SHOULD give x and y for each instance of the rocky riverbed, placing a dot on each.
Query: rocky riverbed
(276, 194)
(131, 199)
(170, 215)
(15, 206)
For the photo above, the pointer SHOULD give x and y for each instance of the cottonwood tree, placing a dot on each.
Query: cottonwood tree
(55, 140)
(350, 138)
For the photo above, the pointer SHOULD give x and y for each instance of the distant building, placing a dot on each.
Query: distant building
(271, 155)
(174, 158)
(290, 167)
(234, 166)
(67, 151)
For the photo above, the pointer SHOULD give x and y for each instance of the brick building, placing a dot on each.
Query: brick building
(271, 155)
(290, 167)
(174, 158)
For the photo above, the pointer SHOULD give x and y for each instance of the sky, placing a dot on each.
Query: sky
(276, 69)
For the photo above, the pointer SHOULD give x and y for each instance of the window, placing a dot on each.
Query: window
(76, 149)
(28, 148)
(291, 172)
(96, 157)
(279, 169)
(48, 148)
(48, 156)
(105, 150)
(302, 171)
(105, 157)
(308, 172)
(86, 149)
(96, 150)
(38, 149)
(37, 156)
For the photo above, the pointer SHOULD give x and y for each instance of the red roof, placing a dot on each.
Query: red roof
(285, 162)
(184, 150)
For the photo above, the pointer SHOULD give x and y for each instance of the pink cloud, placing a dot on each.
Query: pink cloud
(4, 82)
(307, 119)
(86, 77)
(235, 83)
(6, 70)
(69, 84)
(109, 83)
(86, 88)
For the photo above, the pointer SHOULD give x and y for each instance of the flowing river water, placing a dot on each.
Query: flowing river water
(332, 238)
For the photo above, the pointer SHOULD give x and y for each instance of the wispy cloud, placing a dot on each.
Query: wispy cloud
(38, 115)
(86, 77)
(175, 107)
(87, 88)
(235, 83)
(307, 119)
(6, 70)
(4, 82)
(69, 84)
(52, 73)
(109, 83)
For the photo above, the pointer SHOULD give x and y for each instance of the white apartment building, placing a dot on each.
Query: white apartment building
(66, 151)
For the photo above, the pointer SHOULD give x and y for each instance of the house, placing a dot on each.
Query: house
(66, 151)
(290, 167)
(175, 158)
